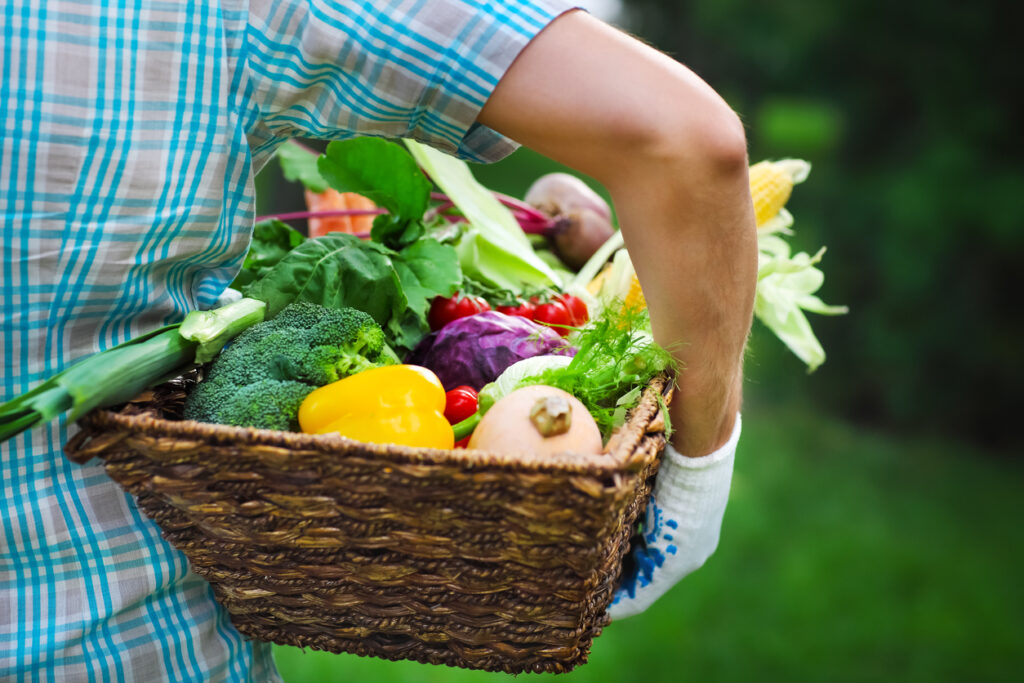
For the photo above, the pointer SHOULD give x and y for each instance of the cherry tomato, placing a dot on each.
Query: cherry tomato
(443, 310)
(524, 309)
(577, 308)
(460, 403)
(555, 314)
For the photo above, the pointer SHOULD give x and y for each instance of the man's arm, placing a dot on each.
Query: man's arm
(673, 156)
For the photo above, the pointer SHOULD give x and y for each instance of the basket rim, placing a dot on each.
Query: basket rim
(612, 461)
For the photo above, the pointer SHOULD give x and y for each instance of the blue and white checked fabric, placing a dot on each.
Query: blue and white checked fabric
(131, 133)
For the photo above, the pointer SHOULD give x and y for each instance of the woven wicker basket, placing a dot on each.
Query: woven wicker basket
(465, 558)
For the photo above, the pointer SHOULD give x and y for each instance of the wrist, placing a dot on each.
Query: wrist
(703, 413)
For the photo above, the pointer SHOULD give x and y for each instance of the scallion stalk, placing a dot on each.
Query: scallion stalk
(119, 374)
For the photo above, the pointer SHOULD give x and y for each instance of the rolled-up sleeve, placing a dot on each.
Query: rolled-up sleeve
(420, 70)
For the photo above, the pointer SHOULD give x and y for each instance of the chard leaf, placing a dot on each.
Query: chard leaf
(384, 172)
(299, 164)
(427, 269)
(396, 232)
(336, 270)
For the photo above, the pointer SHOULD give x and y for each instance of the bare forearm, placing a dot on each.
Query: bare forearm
(673, 156)
(697, 263)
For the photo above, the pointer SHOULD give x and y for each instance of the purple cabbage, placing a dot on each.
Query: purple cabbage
(474, 350)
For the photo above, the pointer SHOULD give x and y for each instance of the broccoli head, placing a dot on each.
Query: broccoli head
(261, 378)
(265, 403)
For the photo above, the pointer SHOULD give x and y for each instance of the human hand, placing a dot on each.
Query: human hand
(681, 525)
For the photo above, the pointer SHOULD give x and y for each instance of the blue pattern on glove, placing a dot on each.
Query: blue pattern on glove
(647, 554)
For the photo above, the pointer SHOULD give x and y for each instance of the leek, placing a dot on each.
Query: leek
(120, 373)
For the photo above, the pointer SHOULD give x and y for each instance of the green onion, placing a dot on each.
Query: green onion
(119, 374)
(213, 329)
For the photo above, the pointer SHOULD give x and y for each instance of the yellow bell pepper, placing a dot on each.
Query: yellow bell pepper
(397, 404)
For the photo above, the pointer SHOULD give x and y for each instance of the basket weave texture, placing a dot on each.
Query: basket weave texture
(466, 558)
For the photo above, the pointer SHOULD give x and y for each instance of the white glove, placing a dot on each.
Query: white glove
(681, 525)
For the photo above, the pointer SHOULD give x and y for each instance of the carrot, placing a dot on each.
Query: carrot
(332, 200)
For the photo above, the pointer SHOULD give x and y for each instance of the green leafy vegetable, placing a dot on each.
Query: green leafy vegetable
(426, 269)
(494, 250)
(340, 271)
(616, 357)
(384, 172)
(299, 163)
(785, 289)
(271, 240)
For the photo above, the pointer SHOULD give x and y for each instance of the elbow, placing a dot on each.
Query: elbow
(724, 145)
(691, 137)
(709, 140)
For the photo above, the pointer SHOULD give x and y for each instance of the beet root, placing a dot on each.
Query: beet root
(580, 235)
(558, 194)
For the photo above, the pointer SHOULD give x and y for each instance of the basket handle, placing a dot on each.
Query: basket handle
(90, 442)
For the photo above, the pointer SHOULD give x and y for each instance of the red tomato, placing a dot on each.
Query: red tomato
(577, 308)
(555, 314)
(463, 443)
(443, 310)
(524, 309)
(460, 403)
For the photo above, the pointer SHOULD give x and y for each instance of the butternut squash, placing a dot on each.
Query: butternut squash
(538, 419)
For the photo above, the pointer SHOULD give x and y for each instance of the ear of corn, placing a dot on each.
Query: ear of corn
(617, 281)
(635, 297)
(771, 184)
(595, 285)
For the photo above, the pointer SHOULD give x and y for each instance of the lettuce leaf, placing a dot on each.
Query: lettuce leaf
(493, 250)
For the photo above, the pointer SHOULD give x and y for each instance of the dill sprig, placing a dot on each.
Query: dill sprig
(616, 358)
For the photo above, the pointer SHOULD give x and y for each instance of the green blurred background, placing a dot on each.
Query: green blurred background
(872, 531)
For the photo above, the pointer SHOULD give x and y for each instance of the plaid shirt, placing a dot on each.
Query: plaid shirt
(131, 133)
